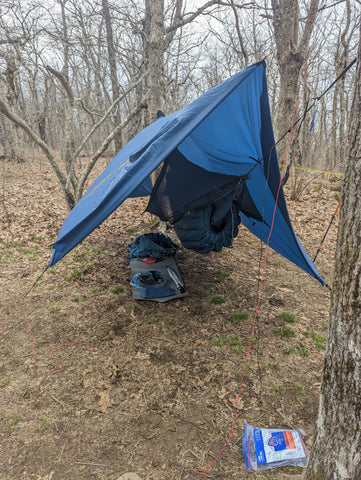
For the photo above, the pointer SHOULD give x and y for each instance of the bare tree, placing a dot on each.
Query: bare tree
(160, 27)
(72, 185)
(74, 74)
(11, 146)
(112, 67)
(339, 107)
(336, 450)
(292, 53)
(154, 50)
(292, 38)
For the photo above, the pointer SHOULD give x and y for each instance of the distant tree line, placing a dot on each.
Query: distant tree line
(79, 78)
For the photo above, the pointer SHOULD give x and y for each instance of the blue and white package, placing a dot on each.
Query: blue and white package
(265, 448)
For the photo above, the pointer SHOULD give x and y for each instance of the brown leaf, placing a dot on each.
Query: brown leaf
(104, 401)
(233, 402)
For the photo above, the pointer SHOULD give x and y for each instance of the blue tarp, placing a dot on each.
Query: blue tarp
(226, 131)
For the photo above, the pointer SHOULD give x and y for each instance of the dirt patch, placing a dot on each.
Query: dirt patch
(156, 394)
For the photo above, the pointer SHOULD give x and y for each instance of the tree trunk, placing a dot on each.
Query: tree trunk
(154, 61)
(113, 69)
(154, 56)
(340, 65)
(65, 39)
(336, 453)
(291, 55)
(63, 76)
(12, 153)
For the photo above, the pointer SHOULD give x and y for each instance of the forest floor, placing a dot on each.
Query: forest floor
(156, 394)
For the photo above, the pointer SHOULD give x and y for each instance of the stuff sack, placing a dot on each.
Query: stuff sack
(265, 448)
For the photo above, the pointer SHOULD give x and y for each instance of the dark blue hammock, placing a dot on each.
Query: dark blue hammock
(195, 231)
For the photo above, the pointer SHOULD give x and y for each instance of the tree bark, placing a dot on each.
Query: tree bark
(113, 69)
(65, 39)
(154, 56)
(291, 55)
(69, 152)
(336, 453)
(339, 112)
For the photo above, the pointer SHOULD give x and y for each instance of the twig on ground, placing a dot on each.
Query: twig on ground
(60, 403)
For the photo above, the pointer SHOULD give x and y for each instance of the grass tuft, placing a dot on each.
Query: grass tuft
(288, 350)
(54, 309)
(288, 317)
(302, 350)
(75, 275)
(301, 398)
(116, 289)
(45, 423)
(278, 389)
(218, 300)
(233, 341)
(4, 383)
(284, 332)
(238, 317)
(318, 340)
(13, 421)
(222, 273)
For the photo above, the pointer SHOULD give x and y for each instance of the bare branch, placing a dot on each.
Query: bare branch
(96, 126)
(64, 83)
(192, 16)
(239, 34)
(105, 145)
(80, 102)
(344, 42)
(305, 41)
(17, 120)
(177, 19)
(13, 41)
(107, 113)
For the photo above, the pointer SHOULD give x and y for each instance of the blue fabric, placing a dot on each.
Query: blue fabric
(147, 279)
(155, 245)
(227, 141)
(227, 130)
(194, 231)
(156, 292)
(182, 186)
(136, 161)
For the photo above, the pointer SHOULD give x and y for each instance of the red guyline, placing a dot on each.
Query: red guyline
(265, 258)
